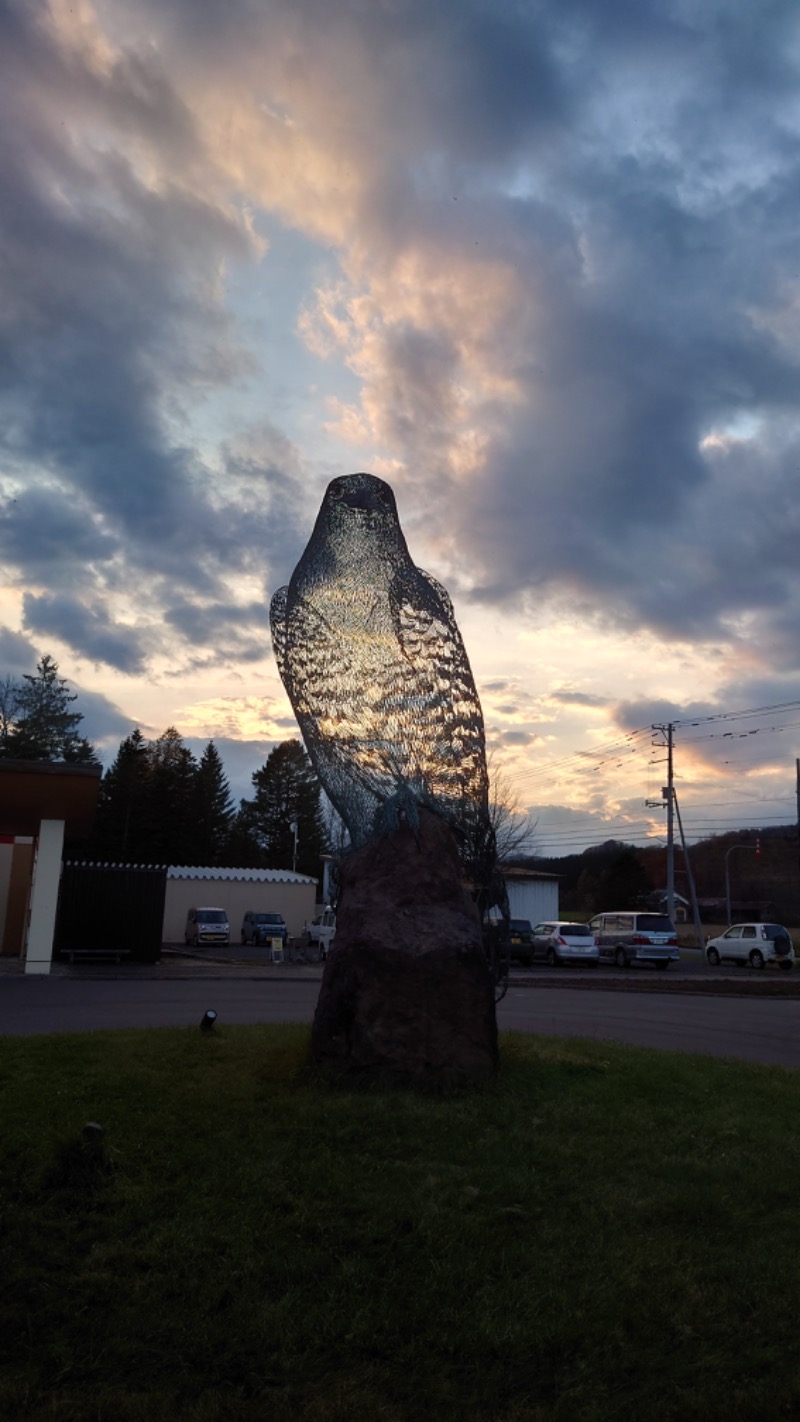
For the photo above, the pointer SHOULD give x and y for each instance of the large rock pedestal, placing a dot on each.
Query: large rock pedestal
(406, 994)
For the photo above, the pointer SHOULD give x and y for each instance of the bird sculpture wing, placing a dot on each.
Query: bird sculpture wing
(445, 722)
(277, 625)
(383, 712)
(330, 696)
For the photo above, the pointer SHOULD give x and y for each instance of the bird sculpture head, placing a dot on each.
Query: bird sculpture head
(357, 534)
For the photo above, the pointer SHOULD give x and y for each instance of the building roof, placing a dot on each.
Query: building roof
(249, 876)
(662, 894)
(36, 790)
(521, 875)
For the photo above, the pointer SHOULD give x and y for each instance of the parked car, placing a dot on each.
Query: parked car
(753, 943)
(520, 935)
(636, 937)
(322, 930)
(263, 927)
(561, 942)
(207, 925)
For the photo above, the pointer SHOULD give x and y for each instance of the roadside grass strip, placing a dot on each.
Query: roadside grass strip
(604, 1233)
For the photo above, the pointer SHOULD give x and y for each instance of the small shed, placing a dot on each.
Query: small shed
(237, 891)
(531, 894)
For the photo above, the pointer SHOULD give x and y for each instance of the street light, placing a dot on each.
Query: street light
(293, 828)
(728, 853)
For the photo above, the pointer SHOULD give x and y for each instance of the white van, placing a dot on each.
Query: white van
(206, 925)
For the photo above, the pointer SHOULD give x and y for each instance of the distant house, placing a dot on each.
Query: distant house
(742, 910)
(657, 901)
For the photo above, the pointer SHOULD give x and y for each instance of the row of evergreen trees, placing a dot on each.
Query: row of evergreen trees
(158, 803)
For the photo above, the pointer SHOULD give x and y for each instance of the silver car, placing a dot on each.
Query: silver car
(559, 942)
(635, 936)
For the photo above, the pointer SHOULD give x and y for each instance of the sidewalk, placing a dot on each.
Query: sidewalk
(174, 964)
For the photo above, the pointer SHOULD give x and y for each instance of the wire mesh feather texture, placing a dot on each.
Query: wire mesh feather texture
(375, 668)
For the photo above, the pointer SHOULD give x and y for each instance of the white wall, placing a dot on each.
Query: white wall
(536, 899)
(296, 902)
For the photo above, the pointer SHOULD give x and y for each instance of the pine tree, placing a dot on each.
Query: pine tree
(287, 793)
(214, 811)
(148, 803)
(123, 828)
(173, 771)
(244, 849)
(40, 725)
(9, 701)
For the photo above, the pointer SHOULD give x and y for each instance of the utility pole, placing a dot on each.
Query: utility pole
(293, 828)
(668, 798)
(797, 771)
(698, 928)
(669, 793)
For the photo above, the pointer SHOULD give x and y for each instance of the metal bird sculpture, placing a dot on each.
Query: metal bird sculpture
(372, 660)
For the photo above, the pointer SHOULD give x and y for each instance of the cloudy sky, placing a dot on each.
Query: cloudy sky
(536, 264)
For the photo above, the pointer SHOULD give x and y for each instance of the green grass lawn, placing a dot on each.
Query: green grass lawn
(606, 1232)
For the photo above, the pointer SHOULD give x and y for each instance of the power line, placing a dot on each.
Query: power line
(754, 800)
(739, 715)
(553, 768)
(738, 735)
(697, 827)
(627, 743)
(554, 848)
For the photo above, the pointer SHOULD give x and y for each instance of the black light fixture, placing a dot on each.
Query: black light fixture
(209, 1018)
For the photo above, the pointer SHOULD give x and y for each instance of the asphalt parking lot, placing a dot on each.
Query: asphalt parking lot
(692, 965)
(691, 975)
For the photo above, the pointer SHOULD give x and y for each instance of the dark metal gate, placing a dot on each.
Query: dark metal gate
(110, 910)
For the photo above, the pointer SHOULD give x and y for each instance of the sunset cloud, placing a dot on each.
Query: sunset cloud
(536, 267)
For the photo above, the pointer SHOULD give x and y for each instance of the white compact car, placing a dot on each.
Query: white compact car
(753, 943)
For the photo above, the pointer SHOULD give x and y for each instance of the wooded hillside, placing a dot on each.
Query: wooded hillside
(770, 878)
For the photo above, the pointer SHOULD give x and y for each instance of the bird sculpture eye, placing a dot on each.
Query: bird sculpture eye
(337, 492)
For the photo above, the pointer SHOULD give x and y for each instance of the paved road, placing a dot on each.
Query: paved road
(692, 966)
(759, 1030)
(756, 1030)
